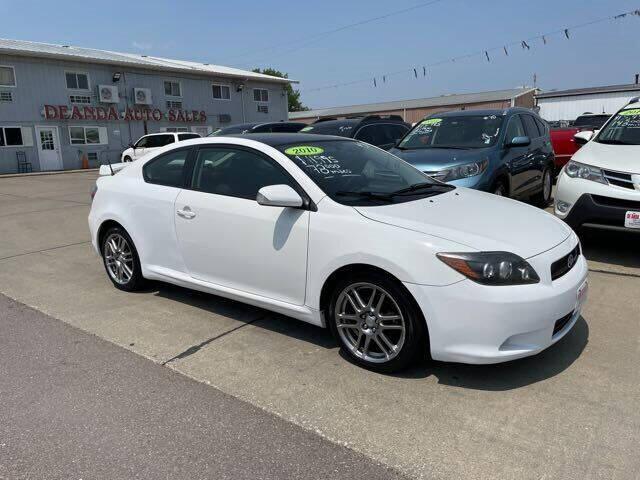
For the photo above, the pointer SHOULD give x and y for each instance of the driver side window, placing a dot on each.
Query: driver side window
(235, 172)
(514, 129)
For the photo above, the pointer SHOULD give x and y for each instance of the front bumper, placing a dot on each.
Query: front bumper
(594, 203)
(472, 323)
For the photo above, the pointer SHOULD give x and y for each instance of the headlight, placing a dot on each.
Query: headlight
(492, 268)
(586, 172)
(462, 171)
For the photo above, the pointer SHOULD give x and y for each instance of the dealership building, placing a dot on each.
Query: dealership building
(65, 107)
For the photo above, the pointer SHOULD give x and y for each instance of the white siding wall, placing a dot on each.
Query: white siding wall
(570, 107)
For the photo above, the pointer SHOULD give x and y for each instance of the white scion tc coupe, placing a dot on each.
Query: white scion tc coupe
(339, 233)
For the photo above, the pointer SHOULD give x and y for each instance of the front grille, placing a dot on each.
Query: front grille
(560, 324)
(616, 202)
(619, 179)
(562, 266)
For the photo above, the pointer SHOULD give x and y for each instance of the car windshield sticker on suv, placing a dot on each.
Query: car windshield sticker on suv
(465, 131)
(623, 129)
(306, 129)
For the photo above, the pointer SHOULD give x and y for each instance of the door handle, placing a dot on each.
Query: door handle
(186, 213)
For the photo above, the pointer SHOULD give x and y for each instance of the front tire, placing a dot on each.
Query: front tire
(127, 159)
(377, 322)
(121, 260)
(500, 189)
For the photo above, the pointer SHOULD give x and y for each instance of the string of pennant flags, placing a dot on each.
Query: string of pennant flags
(525, 44)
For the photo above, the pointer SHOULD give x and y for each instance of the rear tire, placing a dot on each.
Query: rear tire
(121, 261)
(376, 322)
(127, 159)
(543, 198)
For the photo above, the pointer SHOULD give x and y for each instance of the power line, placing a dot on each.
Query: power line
(524, 44)
(314, 38)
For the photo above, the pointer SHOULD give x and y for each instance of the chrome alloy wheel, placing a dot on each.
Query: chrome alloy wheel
(118, 257)
(370, 323)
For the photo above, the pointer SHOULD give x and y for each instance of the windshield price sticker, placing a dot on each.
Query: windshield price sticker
(434, 122)
(304, 150)
(630, 112)
(324, 165)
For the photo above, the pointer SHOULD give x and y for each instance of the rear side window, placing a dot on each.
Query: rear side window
(167, 169)
(542, 126)
(155, 141)
(373, 134)
(396, 132)
(187, 136)
(235, 172)
(531, 126)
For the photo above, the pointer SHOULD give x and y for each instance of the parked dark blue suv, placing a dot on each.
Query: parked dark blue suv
(507, 152)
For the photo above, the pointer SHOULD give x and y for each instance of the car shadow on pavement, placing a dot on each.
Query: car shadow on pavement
(611, 246)
(498, 377)
(242, 312)
(510, 375)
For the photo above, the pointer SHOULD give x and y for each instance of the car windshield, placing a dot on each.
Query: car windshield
(623, 129)
(359, 174)
(342, 129)
(595, 121)
(464, 131)
(235, 129)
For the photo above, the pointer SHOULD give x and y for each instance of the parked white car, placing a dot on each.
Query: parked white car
(601, 183)
(149, 143)
(344, 235)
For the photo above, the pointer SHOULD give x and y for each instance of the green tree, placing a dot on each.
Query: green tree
(295, 105)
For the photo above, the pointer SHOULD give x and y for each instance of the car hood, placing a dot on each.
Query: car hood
(434, 159)
(478, 220)
(623, 158)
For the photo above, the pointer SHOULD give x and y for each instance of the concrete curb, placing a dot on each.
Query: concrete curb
(55, 172)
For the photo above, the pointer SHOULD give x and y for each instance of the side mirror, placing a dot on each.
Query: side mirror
(519, 142)
(279, 196)
(132, 145)
(583, 137)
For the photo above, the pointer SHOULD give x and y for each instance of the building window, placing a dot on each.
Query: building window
(260, 95)
(172, 89)
(173, 105)
(83, 99)
(263, 108)
(77, 81)
(11, 137)
(221, 92)
(7, 76)
(6, 97)
(84, 135)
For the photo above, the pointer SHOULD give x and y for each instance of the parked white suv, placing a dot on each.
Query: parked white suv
(149, 143)
(601, 183)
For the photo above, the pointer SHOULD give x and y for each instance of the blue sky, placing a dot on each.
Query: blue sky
(241, 34)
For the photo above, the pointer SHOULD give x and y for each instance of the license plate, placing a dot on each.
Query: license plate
(582, 294)
(632, 220)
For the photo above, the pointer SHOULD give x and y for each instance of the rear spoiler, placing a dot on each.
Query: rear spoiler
(112, 169)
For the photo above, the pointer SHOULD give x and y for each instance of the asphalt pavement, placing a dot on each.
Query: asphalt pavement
(569, 413)
(73, 406)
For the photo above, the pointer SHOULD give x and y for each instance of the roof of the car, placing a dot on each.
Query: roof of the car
(276, 139)
(486, 111)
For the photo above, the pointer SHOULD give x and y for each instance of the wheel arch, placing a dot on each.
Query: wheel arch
(104, 228)
(354, 268)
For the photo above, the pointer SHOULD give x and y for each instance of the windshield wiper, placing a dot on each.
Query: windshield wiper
(422, 186)
(365, 194)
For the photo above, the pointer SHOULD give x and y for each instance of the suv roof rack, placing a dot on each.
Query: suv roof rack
(382, 117)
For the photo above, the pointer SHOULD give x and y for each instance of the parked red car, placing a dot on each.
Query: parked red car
(562, 140)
